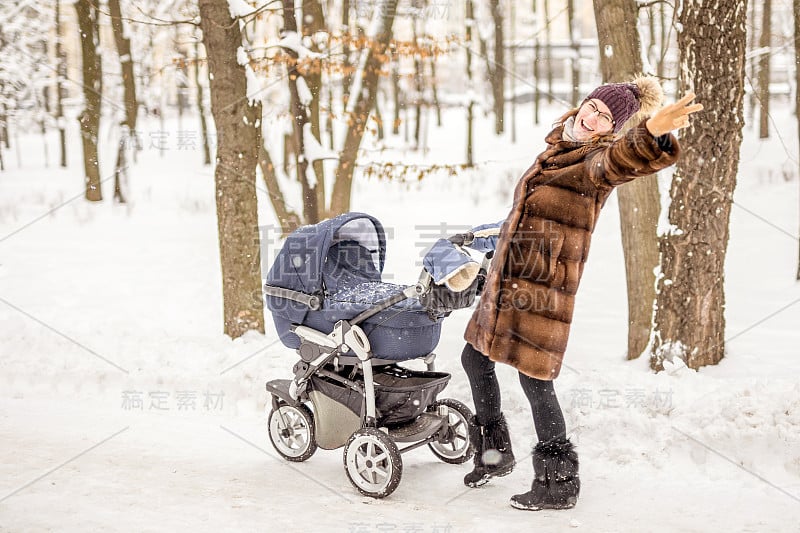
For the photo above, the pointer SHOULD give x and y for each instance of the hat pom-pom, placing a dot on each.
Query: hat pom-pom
(651, 95)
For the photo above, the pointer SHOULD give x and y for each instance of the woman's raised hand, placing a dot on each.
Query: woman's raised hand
(673, 116)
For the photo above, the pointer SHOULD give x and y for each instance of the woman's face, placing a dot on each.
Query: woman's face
(593, 118)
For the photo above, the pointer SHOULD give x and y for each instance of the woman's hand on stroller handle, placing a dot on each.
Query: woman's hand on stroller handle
(462, 239)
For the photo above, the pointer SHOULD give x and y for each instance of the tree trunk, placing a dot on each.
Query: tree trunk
(346, 33)
(313, 22)
(763, 69)
(797, 92)
(665, 38)
(396, 93)
(435, 92)
(126, 63)
(498, 73)
(201, 110)
(121, 168)
(417, 87)
(537, 59)
(378, 120)
(576, 51)
(311, 208)
(92, 89)
(5, 138)
(548, 48)
(238, 124)
(639, 202)
(289, 220)
(61, 74)
(652, 44)
(512, 52)
(690, 313)
(470, 21)
(123, 45)
(45, 107)
(359, 105)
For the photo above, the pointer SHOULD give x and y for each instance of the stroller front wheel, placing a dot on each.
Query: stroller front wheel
(453, 445)
(291, 431)
(372, 462)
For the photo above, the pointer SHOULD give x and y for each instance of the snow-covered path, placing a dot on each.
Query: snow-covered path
(189, 472)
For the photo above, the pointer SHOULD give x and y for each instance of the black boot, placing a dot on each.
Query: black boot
(556, 483)
(493, 455)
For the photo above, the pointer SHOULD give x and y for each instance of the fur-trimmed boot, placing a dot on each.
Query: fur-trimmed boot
(556, 483)
(493, 455)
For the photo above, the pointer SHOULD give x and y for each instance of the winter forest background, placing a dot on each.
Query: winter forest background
(154, 154)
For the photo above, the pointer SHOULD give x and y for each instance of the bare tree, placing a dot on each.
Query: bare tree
(435, 91)
(238, 122)
(123, 44)
(548, 51)
(396, 92)
(5, 138)
(512, 52)
(639, 202)
(689, 320)
(200, 97)
(311, 208)
(537, 60)
(418, 85)
(470, 21)
(498, 73)
(313, 24)
(763, 69)
(92, 89)
(575, 46)
(346, 32)
(797, 90)
(61, 74)
(362, 99)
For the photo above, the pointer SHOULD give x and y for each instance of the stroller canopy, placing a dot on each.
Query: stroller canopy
(358, 244)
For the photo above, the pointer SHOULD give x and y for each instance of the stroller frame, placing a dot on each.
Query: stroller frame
(372, 458)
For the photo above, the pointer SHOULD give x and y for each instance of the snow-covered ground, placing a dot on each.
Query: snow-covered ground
(124, 407)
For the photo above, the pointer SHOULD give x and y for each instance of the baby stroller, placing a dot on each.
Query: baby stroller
(351, 330)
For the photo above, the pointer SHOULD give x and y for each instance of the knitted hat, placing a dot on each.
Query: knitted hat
(626, 99)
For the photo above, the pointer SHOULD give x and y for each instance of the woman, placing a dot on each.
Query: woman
(524, 314)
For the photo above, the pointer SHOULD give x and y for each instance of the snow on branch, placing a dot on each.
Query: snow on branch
(254, 85)
(241, 9)
(314, 151)
(291, 41)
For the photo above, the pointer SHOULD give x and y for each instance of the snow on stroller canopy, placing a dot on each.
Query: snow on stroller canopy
(299, 265)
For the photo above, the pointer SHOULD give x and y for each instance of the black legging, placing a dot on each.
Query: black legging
(547, 416)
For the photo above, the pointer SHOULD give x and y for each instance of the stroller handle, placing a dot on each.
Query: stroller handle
(311, 300)
(412, 291)
(462, 239)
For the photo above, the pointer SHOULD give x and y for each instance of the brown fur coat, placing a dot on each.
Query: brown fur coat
(524, 315)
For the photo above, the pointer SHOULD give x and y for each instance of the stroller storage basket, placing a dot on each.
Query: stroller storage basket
(401, 395)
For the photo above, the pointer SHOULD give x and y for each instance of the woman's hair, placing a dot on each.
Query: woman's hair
(565, 116)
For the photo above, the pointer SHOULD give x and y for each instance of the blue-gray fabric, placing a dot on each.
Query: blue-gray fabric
(342, 260)
(443, 259)
(485, 244)
(301, 263)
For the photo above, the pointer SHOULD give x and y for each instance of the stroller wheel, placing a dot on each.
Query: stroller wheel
(291, 431)
(453, 446)
(372, 462)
